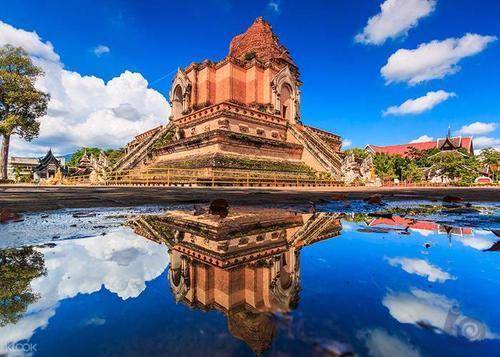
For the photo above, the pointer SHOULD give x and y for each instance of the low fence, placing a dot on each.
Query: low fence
(159, 176)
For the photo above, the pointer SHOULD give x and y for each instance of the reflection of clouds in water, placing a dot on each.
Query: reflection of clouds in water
(435, 311)
(423, 232)
(480, 240)
(119, 261)
(381, 344)
(349, 226)
(421, 268)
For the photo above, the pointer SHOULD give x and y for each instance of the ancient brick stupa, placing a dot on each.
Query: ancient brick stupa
(242, 112)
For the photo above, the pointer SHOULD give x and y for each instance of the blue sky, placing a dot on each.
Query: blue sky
(343, 91)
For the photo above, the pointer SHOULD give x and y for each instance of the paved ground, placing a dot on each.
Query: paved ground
(36, 198)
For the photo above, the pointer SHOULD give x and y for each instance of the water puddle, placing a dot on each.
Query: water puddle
(334, 278)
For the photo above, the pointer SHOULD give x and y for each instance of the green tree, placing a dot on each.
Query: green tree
(18, 267)
(384, 166)
(412, 172)
(400, 165)
(77, 155)
(491, 158)
(455, 165)
(21, 104)
(114, 155)
(358, 153)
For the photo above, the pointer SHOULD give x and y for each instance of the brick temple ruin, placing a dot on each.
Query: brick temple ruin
(240, 113)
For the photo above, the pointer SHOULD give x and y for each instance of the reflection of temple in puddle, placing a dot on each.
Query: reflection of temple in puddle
(245, 265)
(422, 226)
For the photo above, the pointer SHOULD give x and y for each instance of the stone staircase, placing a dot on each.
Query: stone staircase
(141, 147)
(318, 148)
(314, 227)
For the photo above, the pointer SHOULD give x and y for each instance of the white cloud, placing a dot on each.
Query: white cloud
(100, 50)
(120, 262)
(433, 60)
(30, 41)
(274, 5)
(422, 268)
(437, 312)
(85, 110)
(482, 142)
(422, 139)
(420, 105)
(380, 344)
(478, 128)
(395, 19)
(346, 143)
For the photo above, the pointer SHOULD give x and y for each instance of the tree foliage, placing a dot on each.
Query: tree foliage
(490, 156)
(113, 155)
(384, 166)
(358, 153)
(21, 104)
(18, 267)
(456, 165)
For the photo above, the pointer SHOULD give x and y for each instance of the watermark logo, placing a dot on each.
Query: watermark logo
(458, 324)
(21, 347)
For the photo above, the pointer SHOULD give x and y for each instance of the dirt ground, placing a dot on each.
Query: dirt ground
(37, 198)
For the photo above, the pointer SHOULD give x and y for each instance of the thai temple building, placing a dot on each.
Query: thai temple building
(36, 169)
(445, 144)
(245, 266)
(242, 112)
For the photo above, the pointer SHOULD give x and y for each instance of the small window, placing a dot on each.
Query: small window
(261, 132)
(244, 129)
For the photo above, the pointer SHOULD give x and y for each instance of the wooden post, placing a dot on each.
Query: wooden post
(168, 177)
(248, 179)
(213, 178)
(275, 180)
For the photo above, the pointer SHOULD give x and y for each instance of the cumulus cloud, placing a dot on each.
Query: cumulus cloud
(478, 128)
(346, 143)
(395, 19)
(421, 104)
(422, 268)
(85, 110)
(433, 60)
(100, 50)
(422, 139)
(482, 142)
(120, 262)
(380, 344)
(421, 308)
(30, 41)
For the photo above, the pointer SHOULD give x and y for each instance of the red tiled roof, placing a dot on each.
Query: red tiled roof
(413, 224)
(405, 149)
(405, 222)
